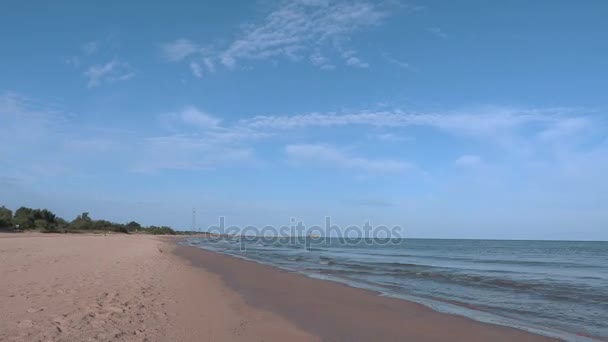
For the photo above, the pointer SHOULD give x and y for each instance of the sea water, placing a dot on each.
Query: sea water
(555, 288)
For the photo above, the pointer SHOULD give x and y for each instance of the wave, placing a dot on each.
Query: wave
(544, 288)
(533, 291)
(478, 260)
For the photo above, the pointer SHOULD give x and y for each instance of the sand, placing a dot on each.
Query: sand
(336, 312)
(146, 288)
(120, 288)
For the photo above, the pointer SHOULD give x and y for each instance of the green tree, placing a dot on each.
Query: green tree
(82, 222)
(27, 218)
(133, 226)
(61, 225)
(24, 218)
(164, 230)
(6, 217)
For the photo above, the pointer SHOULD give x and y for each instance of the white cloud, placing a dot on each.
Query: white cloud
(98, 73)
(352, 60)
(391, 137)
(192, 120)
(191, 115)
(196, 69)
(317, 59)
(565, 128)
(468, 161)
(39, 129)
(572, 182)
(209, 64)
(179, 49)
(112, 71)
(53, 143)
(485, 121)
(188, 152)
(438, 32)
(73, 61)
(322, 154)
(513, 131)
(296, 30)
(15, 107)
(91, 48)
(299, 26)
(399, 63)
(356, 62)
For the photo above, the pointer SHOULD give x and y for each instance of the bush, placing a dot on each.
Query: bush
(6, 217)
(164, 230)
(48, 222)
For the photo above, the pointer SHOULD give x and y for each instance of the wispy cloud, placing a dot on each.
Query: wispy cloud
(104, 46)
(319, 60)
(523, 132)
(16, 107)
(37, 128)
(356, 62)
(195, 139)
(475, 121)
(193, 121)
(352, 60)
(566, 128)
(298, 30)
(32, 126)
(399, 63)
(437, 31)
(179, 49)
(468, 160)
(518, 130)
(328, 155)
(92, 62)
(198, 142)
(112, 71)
(63, 145)
(297, 27)
(209, 64)
(188, 152)
(91, 47)
(196, 69)
(191, 115)
(390, 137)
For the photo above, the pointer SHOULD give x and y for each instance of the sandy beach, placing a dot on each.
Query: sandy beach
(120, 288)
(147, 288)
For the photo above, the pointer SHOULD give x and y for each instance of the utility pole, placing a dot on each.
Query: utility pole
(194, 220)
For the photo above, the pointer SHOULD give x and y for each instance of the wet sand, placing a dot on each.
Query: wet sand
(336, 312)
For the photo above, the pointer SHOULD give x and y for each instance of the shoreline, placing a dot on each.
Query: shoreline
(73, 287)
(336, 311)
(441, 306)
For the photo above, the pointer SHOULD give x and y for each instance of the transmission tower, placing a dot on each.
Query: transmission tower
(193, 228)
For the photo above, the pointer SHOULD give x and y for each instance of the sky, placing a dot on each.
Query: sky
(451, 119)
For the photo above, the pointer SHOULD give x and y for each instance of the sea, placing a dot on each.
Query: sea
(553, 288)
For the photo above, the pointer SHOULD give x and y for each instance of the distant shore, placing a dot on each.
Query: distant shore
(147, 288)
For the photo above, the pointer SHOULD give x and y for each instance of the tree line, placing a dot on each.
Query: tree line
(44, 220)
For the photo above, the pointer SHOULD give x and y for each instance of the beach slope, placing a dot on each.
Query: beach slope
(120, 288)
(147, 288)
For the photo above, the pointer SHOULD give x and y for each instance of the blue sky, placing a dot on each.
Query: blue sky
(468, 119)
